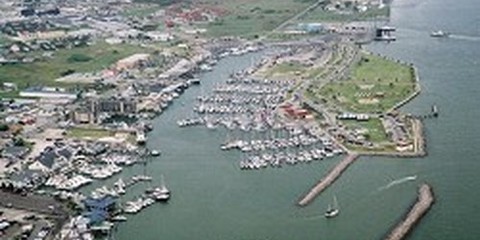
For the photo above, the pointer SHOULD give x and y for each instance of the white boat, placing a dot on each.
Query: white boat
(121, 191)
(163, 188)
(205, 67)
(133, 206)
(161, 193)
(119, 218)
(439, 34)
(155, 153)
(119, 183)
(141, 138)
(334, 210)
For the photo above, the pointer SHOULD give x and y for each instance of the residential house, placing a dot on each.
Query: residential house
(15, 152)
(27, 178)
(52, 159)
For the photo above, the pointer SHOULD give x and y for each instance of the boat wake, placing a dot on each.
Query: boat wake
(398, 181)
(465, 37)
(450, 35)
(314, 217)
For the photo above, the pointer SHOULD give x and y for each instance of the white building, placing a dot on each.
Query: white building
(47, 93)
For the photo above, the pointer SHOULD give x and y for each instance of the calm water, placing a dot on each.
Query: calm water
(213, 199)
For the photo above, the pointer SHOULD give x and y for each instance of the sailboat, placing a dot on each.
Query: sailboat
(161, 193)
(334, 210)
(120, 186)
(163, 188)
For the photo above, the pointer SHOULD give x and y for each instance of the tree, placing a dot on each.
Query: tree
(367, 136)
(3, 127)
(78, 57)
(19, 142)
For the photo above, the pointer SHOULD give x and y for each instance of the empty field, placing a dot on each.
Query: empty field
(250, 18)
(45, 71)
(375, 85)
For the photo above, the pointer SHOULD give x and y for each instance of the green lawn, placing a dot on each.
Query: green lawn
(375, 133)
(88, 133)
(375, 85)
(44, 72)
(249, 18)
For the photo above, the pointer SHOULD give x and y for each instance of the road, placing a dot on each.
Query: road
(336, 71)
(298, 15)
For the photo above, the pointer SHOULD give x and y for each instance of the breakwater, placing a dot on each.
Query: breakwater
(326, 181)
(424, 202)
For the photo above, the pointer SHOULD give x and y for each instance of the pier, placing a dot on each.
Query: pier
(424, 201)
(328, 179)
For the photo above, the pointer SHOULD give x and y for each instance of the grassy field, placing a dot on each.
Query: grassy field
(292, 69)
(284, 69)
(45, 72)
(249, 17)
(141, 11)
(321, 15)
(375, 85)
(88, 133)
(375, 130)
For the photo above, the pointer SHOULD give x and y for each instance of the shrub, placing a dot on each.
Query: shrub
(79, 58)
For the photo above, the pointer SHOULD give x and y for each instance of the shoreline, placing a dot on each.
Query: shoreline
(417, 91)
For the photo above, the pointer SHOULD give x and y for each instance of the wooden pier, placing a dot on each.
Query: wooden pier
(328, 179)
(424, 201)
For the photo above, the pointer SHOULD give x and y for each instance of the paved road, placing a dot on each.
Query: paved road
(34, 203)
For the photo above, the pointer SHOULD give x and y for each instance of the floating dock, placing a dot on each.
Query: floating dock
(424, 201)
(328, 179)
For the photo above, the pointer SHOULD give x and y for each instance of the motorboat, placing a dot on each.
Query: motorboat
(439, 34)
(119, 218)
(155, 153)
(333, 210)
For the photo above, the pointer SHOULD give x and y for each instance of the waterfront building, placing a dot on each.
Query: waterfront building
(44, 92)
(115, 105)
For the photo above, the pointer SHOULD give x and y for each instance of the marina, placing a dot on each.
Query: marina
(139, 121)
(251, 110)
